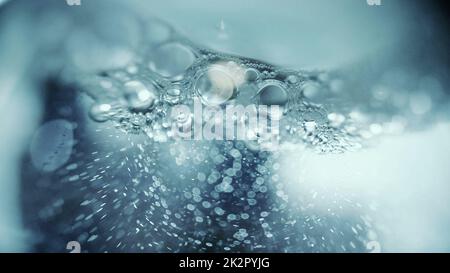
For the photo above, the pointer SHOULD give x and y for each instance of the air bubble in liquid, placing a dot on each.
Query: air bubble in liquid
(273, 94)
(215, 86)
(173, 95)
(292, 79)
(100, 112)
(140, 97)
(251, 75)
(171, 59)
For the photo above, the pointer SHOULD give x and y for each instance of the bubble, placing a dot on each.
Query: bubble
(171, 59)
(311, 91)
(206, 204)
(251, 74)
(235, 153)
(173, 95)
(201, 176)
(51, 145)
(215, 86)
(100, 112)
(293, 79)
(219, 211)
(231, 217)
(229, 184)
(139, 96)
(273, 94)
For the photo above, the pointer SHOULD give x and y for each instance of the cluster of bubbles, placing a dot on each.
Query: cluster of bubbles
(145, 191)
(120, 182)
(142, 190)
(172, 70)
(188, 196)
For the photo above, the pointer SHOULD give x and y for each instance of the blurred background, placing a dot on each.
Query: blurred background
(395, 54)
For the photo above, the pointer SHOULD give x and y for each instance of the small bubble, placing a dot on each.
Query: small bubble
(100, 112)
(293, 79)
(139, 96)
(251, 75)
(273, 94)
(219, 211)
(206, 204)
(173, 95)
